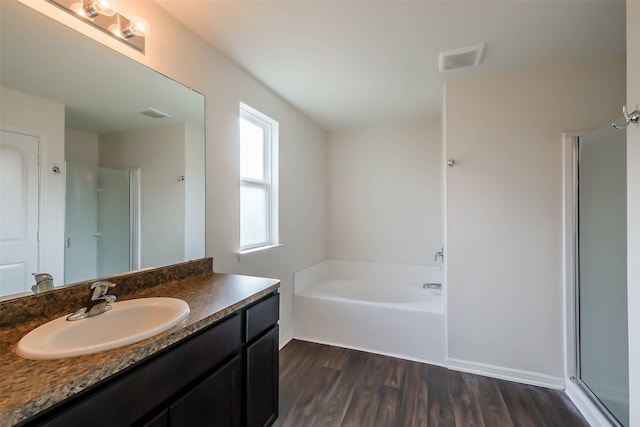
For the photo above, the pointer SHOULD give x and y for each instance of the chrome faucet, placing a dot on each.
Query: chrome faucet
(44, 282)
(98, 301)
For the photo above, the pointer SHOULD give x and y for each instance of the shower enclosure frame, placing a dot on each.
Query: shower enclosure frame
(133, 222)
(580, 394)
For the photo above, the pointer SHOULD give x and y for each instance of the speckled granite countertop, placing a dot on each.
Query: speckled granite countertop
(28, 386)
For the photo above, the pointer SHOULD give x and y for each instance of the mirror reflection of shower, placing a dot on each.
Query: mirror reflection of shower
(101, 225)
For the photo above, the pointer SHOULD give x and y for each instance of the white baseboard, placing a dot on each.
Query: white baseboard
(516, 375)
(285, 337)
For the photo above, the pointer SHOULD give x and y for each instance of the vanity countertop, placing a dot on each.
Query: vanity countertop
(31, 386)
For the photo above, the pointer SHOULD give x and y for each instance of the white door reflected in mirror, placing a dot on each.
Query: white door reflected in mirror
(19, 211)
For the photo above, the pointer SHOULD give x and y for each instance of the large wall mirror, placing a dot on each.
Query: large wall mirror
(102, 159)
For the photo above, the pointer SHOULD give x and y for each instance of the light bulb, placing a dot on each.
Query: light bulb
(78, 9)
(136, 27)
(99, 7)
(92, 8)
(140, 26)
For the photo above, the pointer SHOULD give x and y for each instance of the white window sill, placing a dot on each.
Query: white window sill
(257, 252)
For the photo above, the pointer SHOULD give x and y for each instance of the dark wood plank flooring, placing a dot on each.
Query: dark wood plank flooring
(322, 385)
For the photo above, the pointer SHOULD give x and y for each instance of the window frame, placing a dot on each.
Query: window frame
(268, 183)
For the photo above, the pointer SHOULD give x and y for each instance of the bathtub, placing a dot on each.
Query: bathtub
(379, 308)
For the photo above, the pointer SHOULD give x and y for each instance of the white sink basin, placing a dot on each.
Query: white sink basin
(127, 322)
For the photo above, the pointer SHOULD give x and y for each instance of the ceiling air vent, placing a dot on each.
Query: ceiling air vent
(154, 113)
(461, 58)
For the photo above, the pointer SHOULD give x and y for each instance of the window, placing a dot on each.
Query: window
(258, 180)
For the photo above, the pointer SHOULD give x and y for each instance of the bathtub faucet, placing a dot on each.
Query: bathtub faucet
(439, 254)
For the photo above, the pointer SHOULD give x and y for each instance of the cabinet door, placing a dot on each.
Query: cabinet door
(217, 400)
(262, 380)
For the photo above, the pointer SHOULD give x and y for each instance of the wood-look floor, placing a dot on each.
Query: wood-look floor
(322, 385)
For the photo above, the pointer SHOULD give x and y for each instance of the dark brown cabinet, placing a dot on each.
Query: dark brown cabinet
(261, 356)
(262, 380)
(224, 375)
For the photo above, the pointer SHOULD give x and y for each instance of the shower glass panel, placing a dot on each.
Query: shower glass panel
(98, 223)
(602, 269)
(81, 216)
(114, 222)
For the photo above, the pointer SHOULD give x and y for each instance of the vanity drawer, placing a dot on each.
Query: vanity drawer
(142, 388)
(262, 316)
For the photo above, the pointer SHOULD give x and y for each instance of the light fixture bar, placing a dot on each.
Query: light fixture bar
(99, 13)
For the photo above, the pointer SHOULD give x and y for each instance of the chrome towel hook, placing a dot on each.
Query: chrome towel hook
(629, 118)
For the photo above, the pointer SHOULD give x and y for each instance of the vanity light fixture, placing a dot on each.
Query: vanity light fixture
(100, 14)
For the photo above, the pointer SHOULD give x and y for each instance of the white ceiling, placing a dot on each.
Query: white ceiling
(353, 63)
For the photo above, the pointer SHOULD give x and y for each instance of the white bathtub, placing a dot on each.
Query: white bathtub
(380, 308)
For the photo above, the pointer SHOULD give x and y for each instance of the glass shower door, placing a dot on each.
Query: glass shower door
(114, 221)
(81, 214)
(603, 365)
(98, 222)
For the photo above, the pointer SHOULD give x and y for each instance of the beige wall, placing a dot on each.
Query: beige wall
(176, 52)
(45, 119)
(385, 196)
(504, 210)
(633, 209)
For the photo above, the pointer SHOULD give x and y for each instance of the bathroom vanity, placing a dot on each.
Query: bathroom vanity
(217, 367)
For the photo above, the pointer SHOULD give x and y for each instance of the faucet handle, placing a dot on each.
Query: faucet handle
(100, 288)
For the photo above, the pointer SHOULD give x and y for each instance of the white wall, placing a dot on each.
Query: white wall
(385, 196)
(176, 52)
(81, 147)
(633, 209)
(504, 210)
(195, 188)
(179, 54)
(45, 119)
(160, 154)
